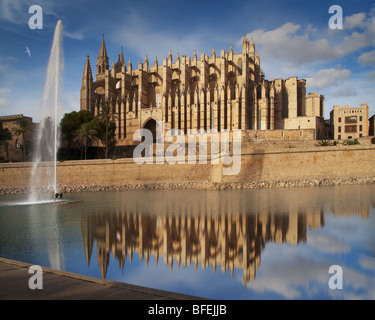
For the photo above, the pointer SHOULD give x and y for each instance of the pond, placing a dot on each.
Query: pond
(230, 244)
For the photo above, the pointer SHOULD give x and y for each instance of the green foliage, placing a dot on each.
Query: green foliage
(106, 116)
(324, 143)
(84, 136)
(105, 132)
(5, 134)
(350, 142)
(81, 129)
(71, 122)
(373, 140)
(5, 137)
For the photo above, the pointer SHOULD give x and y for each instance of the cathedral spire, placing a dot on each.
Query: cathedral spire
(86, 88)
(170, 58)
(195, 55)
(156, 62)
(245, 44)
(252, 49)
(103, 50)
(121, 57)
(257, 59)
(146, 64)
(230, 57)
(130, 66)
(103, 61)
(244, 40)
(87, 73)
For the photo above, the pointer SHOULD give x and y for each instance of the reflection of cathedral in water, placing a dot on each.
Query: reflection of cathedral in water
(217, 234)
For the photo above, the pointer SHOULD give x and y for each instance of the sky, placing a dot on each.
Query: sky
(293, 38)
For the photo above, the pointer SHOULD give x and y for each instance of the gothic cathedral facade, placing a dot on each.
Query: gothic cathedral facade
(225, 92)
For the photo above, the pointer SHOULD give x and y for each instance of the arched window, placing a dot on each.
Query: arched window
(151, 125)
(17, 144)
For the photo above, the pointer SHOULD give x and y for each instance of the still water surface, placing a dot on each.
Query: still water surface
(245, 244)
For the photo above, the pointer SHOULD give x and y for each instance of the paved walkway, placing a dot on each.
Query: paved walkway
(61, 285)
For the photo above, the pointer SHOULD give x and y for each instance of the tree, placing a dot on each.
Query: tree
(106, 115)
(5, 137)
(105, 128)
(84, 136)
(21, 129)
(71, 122)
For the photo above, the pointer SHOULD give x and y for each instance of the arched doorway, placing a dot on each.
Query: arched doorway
(151, 125)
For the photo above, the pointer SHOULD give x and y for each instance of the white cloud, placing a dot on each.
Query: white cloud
(345, 92)
(303, 273)
(13, 11)
(4, 90)
(327, 243)
(291, 42)
(4, 103)
(367, 58)
(356, 20)
(17, 11)
(77, 35)
(325, 78)
(367, 262)
(286, 43)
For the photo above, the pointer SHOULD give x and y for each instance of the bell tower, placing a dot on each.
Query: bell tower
(87, 87)
(102, 62)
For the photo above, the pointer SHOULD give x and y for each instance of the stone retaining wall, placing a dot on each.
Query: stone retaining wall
(261, 167)
(205, 185)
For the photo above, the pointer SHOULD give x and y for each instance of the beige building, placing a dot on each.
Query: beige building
(350, 122)
(372, 126)
(15, 150)
(222, 92)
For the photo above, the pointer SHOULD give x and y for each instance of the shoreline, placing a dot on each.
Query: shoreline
(64, 285)
(204, 185)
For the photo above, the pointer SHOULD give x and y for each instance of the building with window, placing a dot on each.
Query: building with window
(224, 91)
(350, 122)
(13, 149)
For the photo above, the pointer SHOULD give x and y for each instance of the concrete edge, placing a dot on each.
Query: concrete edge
(152, 293)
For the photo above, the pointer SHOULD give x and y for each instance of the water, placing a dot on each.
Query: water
(44, 178)
(239, 244)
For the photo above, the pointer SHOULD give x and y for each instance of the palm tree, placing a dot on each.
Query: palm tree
(106, 114)
(84, 136)
(22, 128)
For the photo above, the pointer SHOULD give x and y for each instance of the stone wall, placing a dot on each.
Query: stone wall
(262, 165)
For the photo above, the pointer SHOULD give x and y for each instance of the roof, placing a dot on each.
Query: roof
(13, 117)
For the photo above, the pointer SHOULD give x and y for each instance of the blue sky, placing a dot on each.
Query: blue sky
(292, 37)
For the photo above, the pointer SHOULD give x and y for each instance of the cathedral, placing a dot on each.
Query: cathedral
(221, 92)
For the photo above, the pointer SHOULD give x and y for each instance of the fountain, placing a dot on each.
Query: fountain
(43, 180)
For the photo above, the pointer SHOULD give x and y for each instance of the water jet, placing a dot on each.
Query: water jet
(46, 142)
